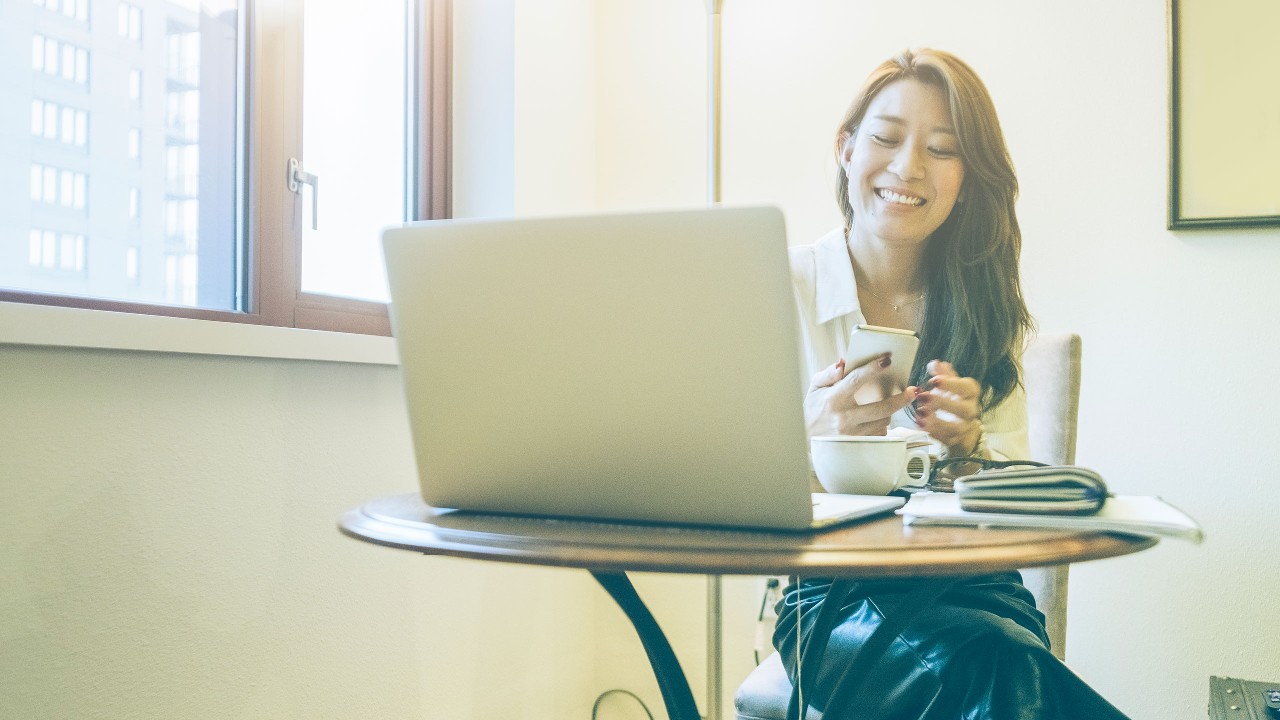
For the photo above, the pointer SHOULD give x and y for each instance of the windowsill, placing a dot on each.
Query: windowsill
(23, 324)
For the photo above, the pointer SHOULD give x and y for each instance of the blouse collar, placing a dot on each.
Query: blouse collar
(835, 290)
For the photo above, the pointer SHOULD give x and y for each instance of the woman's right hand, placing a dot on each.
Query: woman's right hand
(830, 407)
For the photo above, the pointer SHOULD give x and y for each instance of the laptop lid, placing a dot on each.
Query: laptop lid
(632, 366)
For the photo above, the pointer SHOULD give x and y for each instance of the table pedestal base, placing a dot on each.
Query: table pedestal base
(671, 679)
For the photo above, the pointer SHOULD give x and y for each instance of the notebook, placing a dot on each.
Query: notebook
(1132, 514)
(635, 367)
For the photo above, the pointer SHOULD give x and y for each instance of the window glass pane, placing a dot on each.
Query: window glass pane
(48, 248)
(353, 138)
(82, 128)
(85, 205)
(68, 125)
(67, 253)
(65, 184)
(82, 66)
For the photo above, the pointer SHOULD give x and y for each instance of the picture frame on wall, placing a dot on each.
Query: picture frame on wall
(1224, 114)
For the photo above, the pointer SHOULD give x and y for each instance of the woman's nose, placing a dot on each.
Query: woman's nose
(907, 163)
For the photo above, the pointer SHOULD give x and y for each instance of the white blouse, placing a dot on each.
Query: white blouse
(827, 296)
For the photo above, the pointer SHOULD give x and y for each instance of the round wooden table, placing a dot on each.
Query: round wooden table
(876, 548)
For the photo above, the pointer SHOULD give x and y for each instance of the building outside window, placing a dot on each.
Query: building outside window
(135, 85)
(200, 236)
(129, 22)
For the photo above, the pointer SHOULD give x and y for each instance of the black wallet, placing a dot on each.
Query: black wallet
(1049, 489)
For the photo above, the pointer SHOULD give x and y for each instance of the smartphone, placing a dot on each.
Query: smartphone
(870, 341)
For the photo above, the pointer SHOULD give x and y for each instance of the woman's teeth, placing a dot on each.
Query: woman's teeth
(894, 197)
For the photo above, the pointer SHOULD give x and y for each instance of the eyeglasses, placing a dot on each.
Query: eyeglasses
(946, 483)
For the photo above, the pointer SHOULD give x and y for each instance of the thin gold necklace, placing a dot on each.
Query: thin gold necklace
(890, 303)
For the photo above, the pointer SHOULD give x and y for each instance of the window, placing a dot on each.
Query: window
(54, 186)
(219, 235)
(75, 9)
(129, 22)
(54, 122)
(63, 252)
(131, 264)
(135, 85)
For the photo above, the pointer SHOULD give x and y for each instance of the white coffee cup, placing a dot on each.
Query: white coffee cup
(868, 464)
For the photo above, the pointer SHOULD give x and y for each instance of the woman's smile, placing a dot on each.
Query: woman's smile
(899, 197)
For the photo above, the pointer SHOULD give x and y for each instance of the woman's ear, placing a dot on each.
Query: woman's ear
(846, 149)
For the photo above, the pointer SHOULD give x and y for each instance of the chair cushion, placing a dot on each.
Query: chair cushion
(765, 693)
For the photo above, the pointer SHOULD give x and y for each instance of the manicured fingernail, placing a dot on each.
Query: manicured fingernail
(886, 361)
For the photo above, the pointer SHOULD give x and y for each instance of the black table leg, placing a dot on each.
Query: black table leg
(671, 679)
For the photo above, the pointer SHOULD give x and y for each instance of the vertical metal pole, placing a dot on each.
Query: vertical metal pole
(714, 674)
(713, 102)
(714, 582)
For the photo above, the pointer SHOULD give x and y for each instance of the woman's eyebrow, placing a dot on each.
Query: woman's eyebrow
(944, 129)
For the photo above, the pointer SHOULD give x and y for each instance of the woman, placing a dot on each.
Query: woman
(930, 243)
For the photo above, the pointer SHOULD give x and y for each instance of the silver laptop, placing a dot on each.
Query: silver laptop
(637, 367)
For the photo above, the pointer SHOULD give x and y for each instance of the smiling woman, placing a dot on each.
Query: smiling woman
(930, 244)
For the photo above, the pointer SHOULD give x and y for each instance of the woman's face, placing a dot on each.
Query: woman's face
(903, 165)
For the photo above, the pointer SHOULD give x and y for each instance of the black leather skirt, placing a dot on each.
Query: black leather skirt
(971, 648)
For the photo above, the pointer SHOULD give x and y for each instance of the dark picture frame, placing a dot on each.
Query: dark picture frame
(1224, 120)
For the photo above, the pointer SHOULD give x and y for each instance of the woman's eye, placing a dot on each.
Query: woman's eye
(943, 152)
(885, 140)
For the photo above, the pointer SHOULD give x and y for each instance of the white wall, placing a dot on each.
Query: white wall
(1175, 325)
(170, 549)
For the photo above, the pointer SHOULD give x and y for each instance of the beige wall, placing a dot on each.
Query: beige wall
(169, 550)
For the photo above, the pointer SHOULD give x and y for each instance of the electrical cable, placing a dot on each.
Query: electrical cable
(596, 707)
(770, 586)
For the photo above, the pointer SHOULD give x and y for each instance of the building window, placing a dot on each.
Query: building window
(51, 250)
(53, 186)
(131, 264)
(60, 59)
(66, 124)
(77, 10)
(50, 120)
(207, 187)
(129, 22)
(82, 129)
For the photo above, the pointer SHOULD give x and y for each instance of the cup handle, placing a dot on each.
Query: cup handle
(915, 473)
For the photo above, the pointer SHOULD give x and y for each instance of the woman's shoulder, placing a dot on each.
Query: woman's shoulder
(804, 258)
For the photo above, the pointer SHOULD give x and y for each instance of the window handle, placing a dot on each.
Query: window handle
(299, 177)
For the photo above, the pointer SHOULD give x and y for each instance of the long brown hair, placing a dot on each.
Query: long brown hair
(974, 316)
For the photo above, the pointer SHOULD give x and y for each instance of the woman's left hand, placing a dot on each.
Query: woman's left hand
(948, 408)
